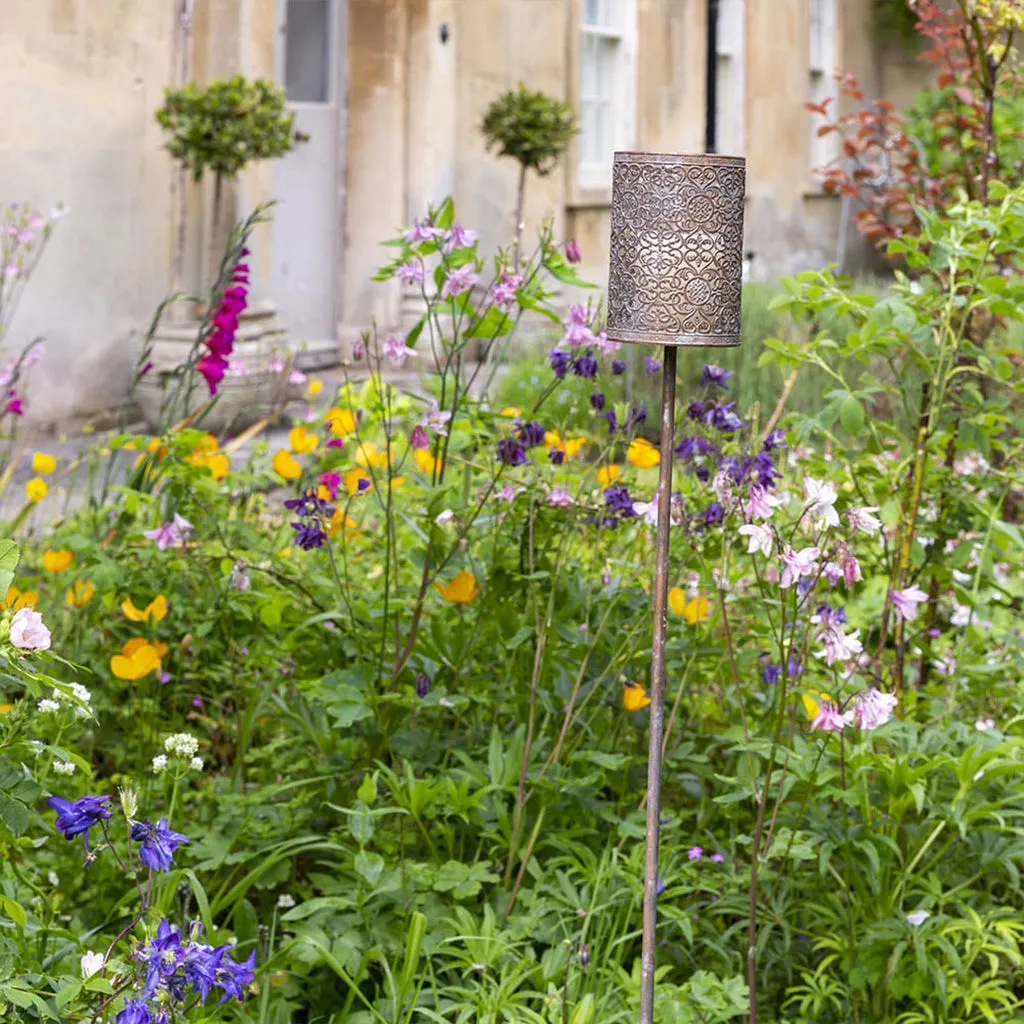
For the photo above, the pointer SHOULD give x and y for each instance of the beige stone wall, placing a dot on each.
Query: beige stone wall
(80, 80)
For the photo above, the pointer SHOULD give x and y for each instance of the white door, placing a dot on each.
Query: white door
(307, 182)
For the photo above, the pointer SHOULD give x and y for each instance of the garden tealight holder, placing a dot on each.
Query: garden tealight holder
(674, 279)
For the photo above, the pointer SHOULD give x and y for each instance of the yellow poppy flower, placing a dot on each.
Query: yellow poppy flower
(427, 463)
(156, 448)
(460, 590)
(209, 443)
(57, 561)
(352, 480)
(80, 593)
(43, 464)
(696, 609)
(511, 411)
(367, 455)
(340, 521)
(811, 706)
(285, 465)
(397, 481)
(301, 440)
(138, 658)
(552, 439)
(216, 462)
(634, 696)
(607, 474)
(341, 422)
(36, 489)
(17, 599)
(5, 709)
(573, 445)
(570, 445)
(285, 553)
(155, 610)
(643, 454)
(315, 386)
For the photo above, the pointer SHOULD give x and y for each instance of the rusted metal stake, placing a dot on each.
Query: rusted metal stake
(657, 693)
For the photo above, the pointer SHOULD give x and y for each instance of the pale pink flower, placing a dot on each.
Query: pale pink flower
(508, 493)
(419, 232)
(503, 294)
(172, 534)
(458, 281)
(459, 238)
(695, 853)
(396, 349)
(873, 708)
(834, 572)
(906, 601)
(559, 497)
(762, 503)
(28, 631)
(648, 510)
(863, 520)
(604, 346)
(821, 499)
(297, 377)
(358, 350)
(759, 538)
(851, 568)
(276, 365)
(577, 331)
(237, 368)
(829, 718)
(435, 419)
(839, 646)
(797, 564)
(410, 272)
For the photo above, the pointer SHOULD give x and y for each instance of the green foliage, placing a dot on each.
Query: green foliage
(227, 125)
(531, 127)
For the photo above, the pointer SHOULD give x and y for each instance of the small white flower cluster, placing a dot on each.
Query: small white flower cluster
(64, 767)
(181, 744)
(285, 901)
(82, 706)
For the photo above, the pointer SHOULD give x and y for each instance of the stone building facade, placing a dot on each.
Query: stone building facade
(391, 93)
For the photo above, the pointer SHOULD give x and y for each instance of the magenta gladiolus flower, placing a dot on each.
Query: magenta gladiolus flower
(14, 406)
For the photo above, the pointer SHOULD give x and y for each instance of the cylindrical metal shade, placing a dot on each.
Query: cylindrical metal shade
(676, 254)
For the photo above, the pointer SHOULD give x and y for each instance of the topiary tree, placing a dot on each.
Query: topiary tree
(223, 127)
(532, 128)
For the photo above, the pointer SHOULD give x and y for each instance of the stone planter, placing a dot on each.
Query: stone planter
(241, 399)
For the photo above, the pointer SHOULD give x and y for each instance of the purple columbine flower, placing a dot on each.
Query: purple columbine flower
(531, 434)
(556, 456)
(715, 375)
(723, 419)
(511, 452)
(618, 367)
(312, 511)
(772, 674)
(135, 1012)
(703, 474)
(776, 439)
(637, 417)
(422, 684)
(158, 843)
(585, 366)
(76, 817)
(597, 400)
(651, 365)
(618, 500)
(612, 419)
(559, 362)
(691, 447)
(714, 513)
(660, 887)
(695, 410)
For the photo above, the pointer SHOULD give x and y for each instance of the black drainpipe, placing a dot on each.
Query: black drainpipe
(711, 91)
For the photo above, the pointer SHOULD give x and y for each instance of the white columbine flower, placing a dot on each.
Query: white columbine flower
(64, 767)
(759, 538)
(285, 901)
(196, 764)
(918, 917)
(863, 520)
(821, 499)
(443, 517)
(159, 763)
(984, 724)
(961, 614)
(92, 963)
(48, 707)
(181, 744)
(53, 878)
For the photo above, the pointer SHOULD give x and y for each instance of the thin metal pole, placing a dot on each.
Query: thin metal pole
(657, 690)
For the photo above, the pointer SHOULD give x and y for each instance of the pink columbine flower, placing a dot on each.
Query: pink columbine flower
(508, 493)
(396, 349)
(28, 632)
(821, 499)
(418, 438)
(604, 346)
(297, 377)
(421, 231)
(797, 564)
(863, 520)
(648, 510)
(718, 858)
(458, 281)
(559, 497)
(435, 419)
(577, 330)
(172, 534)
(694, 853)
(503, 294)
(906, 601)
(12, 270)
(276, 365)
(572, 250)
(237, 368)
(459, 238)
(873, 708)
(332, 482)
(829, 718)
(759, 538)
(762, 503)
(839, 646)
(358, 351)
(411, 272)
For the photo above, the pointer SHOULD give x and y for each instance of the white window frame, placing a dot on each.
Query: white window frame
(730, 90)
(821, 65)
(596, 175)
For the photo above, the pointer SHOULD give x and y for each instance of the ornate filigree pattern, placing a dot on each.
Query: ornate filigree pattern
(676, 255)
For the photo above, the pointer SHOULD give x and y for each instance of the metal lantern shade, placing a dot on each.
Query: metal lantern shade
(676, 255)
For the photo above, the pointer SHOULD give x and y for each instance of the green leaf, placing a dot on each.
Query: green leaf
(15, 911)
(367, 791)
(851, 415)
(370, 866)
(15, 816)
(8, 564)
